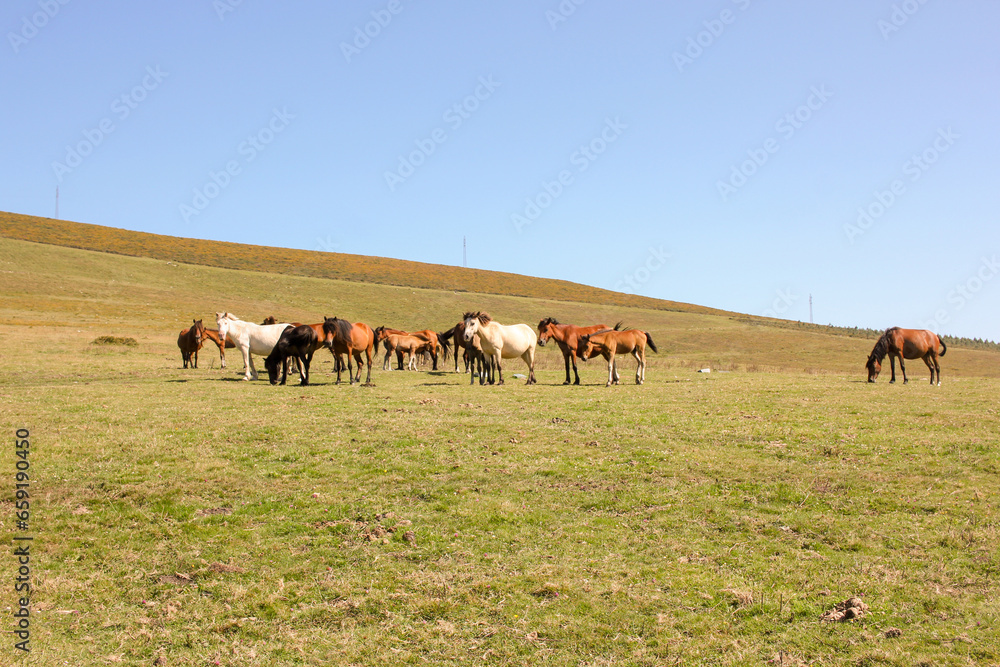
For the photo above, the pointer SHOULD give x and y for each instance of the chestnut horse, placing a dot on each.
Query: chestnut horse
(213, 335)
(343, 337)
(611, 342)
(432, 340)
(906, 344)
(190, 341)
(566, 336)
(457, 333)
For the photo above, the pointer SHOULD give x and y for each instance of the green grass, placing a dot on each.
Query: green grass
(698, 519)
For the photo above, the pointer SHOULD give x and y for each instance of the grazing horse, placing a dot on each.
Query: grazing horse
(906, 344)
(250, 338)
(299, 342)
(343, 337)
(611, 342)
(500, 341)
(566, 336)
(190, 341)
(213, 335)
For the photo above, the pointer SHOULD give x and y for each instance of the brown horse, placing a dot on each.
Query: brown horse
(906, 344)
(457, 335)
(567, 336)
(611, 342)
(344, 337)
(213, 335)
(432, 339)
(190, 341)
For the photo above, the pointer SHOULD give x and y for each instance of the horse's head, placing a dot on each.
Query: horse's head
(268, 320)
(199, 330)
(223, 320)
(380, 335)
(545, 328)
(272, 365)
(584, 347)
(874, 367)
(471, 322)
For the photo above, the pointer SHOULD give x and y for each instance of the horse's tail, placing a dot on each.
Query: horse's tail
(944, 348)
(651, 344)
(443, 339)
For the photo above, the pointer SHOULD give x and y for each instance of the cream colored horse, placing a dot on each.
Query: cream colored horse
(502, 341)
(249, 338)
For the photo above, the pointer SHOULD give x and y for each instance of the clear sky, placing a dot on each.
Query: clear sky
(738, 154)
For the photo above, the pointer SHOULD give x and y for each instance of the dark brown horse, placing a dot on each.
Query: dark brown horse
(344, 337)
(299, 342)
(190, 341)
(906, 344)
(567, 337)
(213, 335)
(456, 334)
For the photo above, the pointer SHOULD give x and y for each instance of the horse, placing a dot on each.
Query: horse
(250, 338)
(566, 336)
(457, 334)
(611, 342)
(213, 335)
(190, 341)
(433, 342)
(474, 356)
(299, 342)
(502, 341)
(906, 344)
(407, 344)
(343, 337)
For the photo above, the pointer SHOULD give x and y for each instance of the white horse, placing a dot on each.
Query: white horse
(249, 338)
(502, 341)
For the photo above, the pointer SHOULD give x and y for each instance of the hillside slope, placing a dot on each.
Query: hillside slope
(82, 294)
(339, 266)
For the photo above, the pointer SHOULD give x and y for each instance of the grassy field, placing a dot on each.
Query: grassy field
(195, 519)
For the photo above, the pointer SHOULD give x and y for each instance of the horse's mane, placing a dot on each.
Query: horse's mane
(341, 328)
(881, 346)
(547, 321)
(484, 318)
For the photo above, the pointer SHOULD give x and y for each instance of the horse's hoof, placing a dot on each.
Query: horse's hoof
(906, 382)
(566, 382)
(892, 382)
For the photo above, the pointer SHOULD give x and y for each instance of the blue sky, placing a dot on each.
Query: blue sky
(738, 154)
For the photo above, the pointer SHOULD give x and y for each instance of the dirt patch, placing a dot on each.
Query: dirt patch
(850, 609)
(215, 511)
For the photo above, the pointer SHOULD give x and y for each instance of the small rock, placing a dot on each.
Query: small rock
(892, 633)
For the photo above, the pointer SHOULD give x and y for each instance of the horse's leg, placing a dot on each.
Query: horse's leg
(566, 358)
(892, 367)
(611, 370)
(902, 367)
(497, 360)
(529, 358)
(576, 373)
(929, 360)
(357, 357)
(284, 371)
(638, 365)
(196, 357)
(937, 366)
(246, 362)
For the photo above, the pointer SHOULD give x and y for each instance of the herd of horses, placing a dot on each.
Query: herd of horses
(482, 342)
